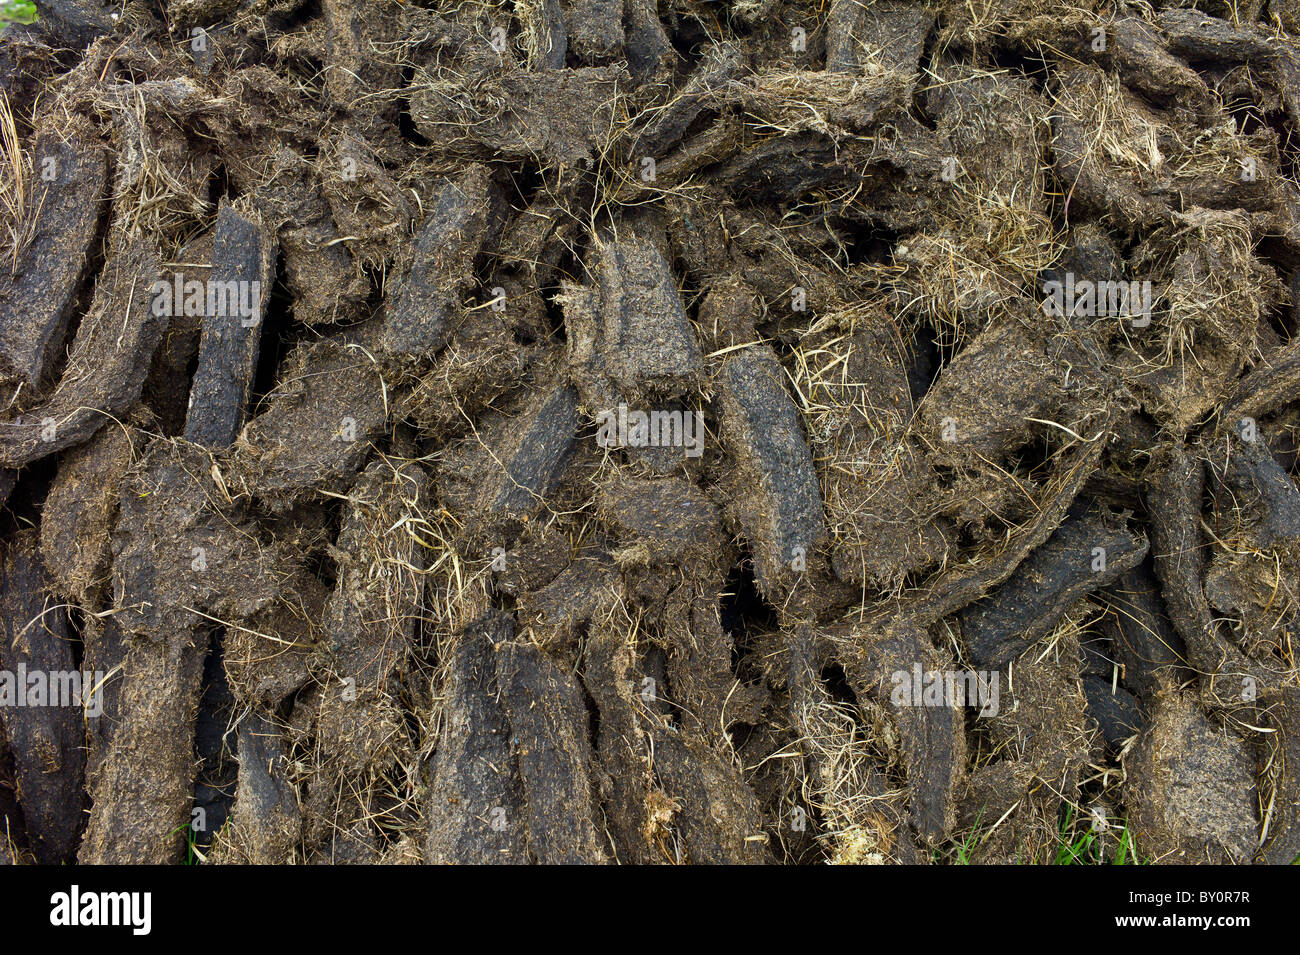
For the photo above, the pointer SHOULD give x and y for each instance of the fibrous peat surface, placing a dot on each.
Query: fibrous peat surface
(650, 431)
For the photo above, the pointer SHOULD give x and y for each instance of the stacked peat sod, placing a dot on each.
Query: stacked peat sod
(679, 431)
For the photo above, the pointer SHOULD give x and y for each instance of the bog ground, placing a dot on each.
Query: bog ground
(649, 432)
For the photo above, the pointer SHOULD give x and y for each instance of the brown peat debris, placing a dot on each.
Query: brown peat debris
(620, 431)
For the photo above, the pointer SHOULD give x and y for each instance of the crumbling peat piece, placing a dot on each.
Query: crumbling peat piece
(278, 654)
(721, 64)
(80, 510)
(1201, 39)
(482, 367)
(355, 79)
(326, 281)
(1255, 520)
(660, 520)
(1040, 741)
(74, 23)
(371, 617)
(40, 703)
(1280, 780)
(621, 760)
(13, 843)
(534, 465)
(317, 428)
(1265, 499)
(863, 814)
(1174, 499)
(1144, 61)
(705, 682)
(777, 496)
(144, 788)
(953, 590)
(931, 740)
(1148, 649)
(183, 559)
(557, 116)
(183, 553)
(594, 29)
(1182, 366)
(718, 816)
(629, 336)
(876, 482)
(1191, 789)
(104, 650)
(346, 744)
(555, 615)
(545, 26)
(503, 475)
(982, 404)
(465, 212)
(37, 291)
(1130, 187)
(494, 799)
(1089, 550)
(243, 269)
(106, 367)
(545, 706)
(995, 126)
(860, 38)
(26, 62)
(266, 824)
(476, 801)
(1272, 383)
